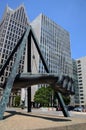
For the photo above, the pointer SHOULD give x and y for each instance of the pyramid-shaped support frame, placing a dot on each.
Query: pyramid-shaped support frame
(20, 48)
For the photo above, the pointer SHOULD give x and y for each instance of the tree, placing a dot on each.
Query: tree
(66, 99)
(17, 100)
(44, 96)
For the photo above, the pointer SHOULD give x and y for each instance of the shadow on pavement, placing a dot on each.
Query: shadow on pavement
(58, 119)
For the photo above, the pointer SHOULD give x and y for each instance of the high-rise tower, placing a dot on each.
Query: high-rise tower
(81, 72)
(12, 26)
(55, 45)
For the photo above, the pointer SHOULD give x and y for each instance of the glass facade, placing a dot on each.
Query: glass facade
(55, 45)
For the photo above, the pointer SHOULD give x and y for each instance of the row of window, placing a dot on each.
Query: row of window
(52, 25)
(19, 15)
(15, 29)
(16, 24)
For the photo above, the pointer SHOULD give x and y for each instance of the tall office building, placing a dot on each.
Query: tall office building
(81, 72)
(55, 45)
(75, 78)
(12, 26)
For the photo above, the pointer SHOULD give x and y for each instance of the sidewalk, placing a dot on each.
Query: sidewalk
(20, 120)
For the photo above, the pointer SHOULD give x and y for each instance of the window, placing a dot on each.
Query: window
(80, 77)
(79, 61)
(10, 48)
(11, 64)
(79, 68)
(7, 47)
(82, 101)
(6, 57)
(79, 65)
(81, 94)
(6, 41)
(80, 84)
(80, 80)
(2, 79)
(79, 71)
(6, 73)
(3, 56)
(6, 37)
(81, 87)
(79, 74)
(9, 38)
(81, 98)
(4, 51)
(81, 90)
(4, 31)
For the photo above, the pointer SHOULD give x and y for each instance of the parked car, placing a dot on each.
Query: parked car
(78, 109)
(70, 108)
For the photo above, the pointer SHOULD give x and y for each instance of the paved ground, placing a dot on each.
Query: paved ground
(17, 119)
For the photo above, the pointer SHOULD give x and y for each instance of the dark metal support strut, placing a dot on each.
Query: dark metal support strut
(11, 78)
(62, 104)
(29, 70)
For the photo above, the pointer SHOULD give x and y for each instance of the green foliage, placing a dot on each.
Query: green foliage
(43, 96)
(66, 99)
(17, 101)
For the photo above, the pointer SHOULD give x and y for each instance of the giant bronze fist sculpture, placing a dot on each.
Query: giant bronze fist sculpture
(61, 83)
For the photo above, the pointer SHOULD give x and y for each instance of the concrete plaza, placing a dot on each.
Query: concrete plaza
(17, 119)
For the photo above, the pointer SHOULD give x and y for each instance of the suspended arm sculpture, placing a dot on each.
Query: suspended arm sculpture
(60, 83)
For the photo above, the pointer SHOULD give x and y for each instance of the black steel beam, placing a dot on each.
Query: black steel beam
(39, 51)
(29, 70)
(62, 104)
(12, 76)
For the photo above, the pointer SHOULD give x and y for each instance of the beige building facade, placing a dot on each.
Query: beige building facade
(81, 72)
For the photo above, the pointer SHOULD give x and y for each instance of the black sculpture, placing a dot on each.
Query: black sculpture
(61, 83)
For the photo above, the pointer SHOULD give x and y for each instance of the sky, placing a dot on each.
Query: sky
(70, 14)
